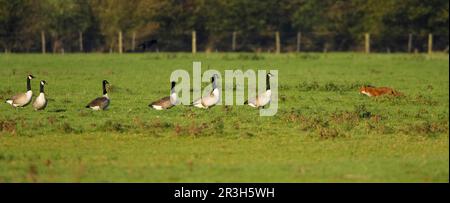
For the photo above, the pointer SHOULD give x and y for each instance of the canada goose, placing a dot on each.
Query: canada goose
(22, 99)
(100, 103)
(210, 100)
(263, 99)
(40, 102)
(166, 102)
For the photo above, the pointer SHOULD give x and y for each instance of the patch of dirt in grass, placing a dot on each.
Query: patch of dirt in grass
(328, 133)
(427, 128)
(199, 129)
(114, 126)
(5, 94)
(328, 86)
(8, 126)
(339, 123)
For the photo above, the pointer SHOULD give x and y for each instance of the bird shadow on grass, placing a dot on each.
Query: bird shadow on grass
(57, 110)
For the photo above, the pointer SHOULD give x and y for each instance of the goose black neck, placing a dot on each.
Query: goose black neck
(28, 84)
(172, 87)
(214, 86)
(104, 89)
(267, 82)
(41, 89)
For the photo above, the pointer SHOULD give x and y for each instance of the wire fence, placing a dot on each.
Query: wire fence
(190, 41)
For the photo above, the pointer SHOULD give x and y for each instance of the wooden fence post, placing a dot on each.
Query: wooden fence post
(133, 42)
(430, 43)
(81, 41)
(277, 42)
(194, 42)
(325, 48)
(299, 41)
(233, 43)
(43, 42)
(410, 43)
(120, 42)
(367, 42)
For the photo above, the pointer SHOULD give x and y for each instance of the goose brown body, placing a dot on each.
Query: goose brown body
(100, 103)
(262, 99)
(40, 103)
(163, 103)
(22, 99)
(166, 102)
(211, 99)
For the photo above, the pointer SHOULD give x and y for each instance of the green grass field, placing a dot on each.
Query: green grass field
(324, 131)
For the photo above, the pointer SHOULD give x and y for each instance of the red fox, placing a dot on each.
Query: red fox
(378, 91)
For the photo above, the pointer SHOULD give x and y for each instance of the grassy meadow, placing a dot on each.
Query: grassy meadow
(324, 131)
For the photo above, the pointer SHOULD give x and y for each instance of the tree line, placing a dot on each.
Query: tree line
(333, 24)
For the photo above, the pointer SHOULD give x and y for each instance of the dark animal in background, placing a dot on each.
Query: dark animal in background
(146, 45)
